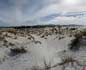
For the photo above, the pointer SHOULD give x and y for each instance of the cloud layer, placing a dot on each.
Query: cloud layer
(33, 12)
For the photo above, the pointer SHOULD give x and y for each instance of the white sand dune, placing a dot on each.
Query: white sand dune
(38, 51)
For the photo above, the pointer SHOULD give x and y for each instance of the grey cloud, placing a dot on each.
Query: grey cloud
(27, 12)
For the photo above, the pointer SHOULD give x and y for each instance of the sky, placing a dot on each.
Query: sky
(39, 12)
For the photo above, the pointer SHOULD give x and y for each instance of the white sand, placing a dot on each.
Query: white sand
(48, 50)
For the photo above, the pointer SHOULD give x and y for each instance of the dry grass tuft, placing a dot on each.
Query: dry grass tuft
(11, 44)
(13, 31)
(67, 61)
(74, 46)
(9, 30)
(2, 38)
(16, 51)
(75, 43)
(45, 67)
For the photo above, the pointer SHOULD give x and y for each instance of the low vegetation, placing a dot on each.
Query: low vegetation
(13, 31)
(47, 66)
(75, 64)
(75, 43)
(16, 51)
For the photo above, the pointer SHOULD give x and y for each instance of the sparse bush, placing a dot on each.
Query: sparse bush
(16, 51)
(36, 68)
(75, 43)
(67, 61)
(45, 67)
(12, 31)
(45, 38)
(74, 64)
(60, 38)
(0, 32)
(74, 46)
(30, 37)
(15, 37)
(36, 42)
(72, 29)
(5, 43)
(42, 36)
(2, 38)
(11, 44)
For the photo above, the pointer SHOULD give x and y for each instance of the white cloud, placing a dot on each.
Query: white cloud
(63, 9)
(32, 10)
(60, 8)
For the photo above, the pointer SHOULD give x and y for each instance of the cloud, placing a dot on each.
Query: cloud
(64, 20)
(31, 12)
